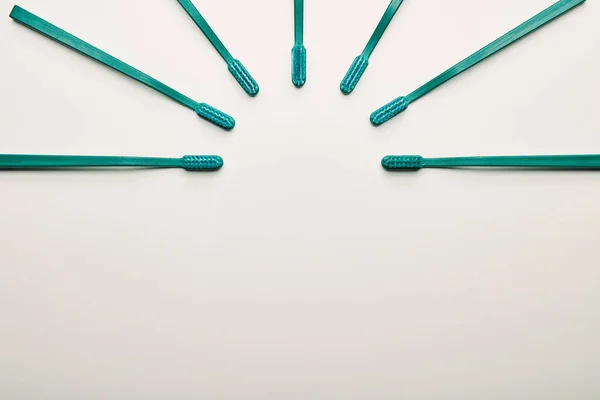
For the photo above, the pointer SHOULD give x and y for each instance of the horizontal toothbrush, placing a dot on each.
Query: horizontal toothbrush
(32, 161)
(237, 69)
(298, 51)
(564, 162)
(401, 103)
(34, 22)
(360, 64)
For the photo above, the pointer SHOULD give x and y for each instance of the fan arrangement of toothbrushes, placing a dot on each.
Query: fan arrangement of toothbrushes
(247, 82)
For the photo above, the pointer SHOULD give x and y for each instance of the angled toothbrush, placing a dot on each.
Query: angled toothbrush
(236, 68)
(34, 22)
(298, 51)
(401, 103)
(360, 64)
(564, 162)
(38, 162)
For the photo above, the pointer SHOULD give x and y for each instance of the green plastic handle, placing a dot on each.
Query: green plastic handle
(34, 161)
(298, 51)
(236, 68)
(39, 25)
(360, 64)
(565, 162)
(400, 104)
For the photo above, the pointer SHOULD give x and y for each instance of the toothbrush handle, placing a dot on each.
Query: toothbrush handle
(33, 161)
(544, 17)
(583, 161)
(576, 161)
(299, 21)
(46, 28)
(212, 37)
(381, 27)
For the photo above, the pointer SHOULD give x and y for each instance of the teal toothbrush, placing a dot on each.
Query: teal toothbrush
(564, 162)
(360, 64)
(32, 161)
(237, 69)
(298, 51)
(401, 103)
(34, 22)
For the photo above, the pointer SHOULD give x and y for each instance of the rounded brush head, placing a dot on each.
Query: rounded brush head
(402, 163)
(389, 111)
(214, 116)
(356, 71)
(241, 74)
(299, 65)
(201, 163)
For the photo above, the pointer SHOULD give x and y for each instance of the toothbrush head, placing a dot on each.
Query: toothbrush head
(201, 163)
(389, 111)
(298, 65)
(402, 163)
(356, 71)
(241, 74)
(215, 116)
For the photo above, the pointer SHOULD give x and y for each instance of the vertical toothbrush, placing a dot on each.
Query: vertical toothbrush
(236, 68)
(298, 51)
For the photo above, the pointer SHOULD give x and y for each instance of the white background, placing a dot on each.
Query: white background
(301, 270)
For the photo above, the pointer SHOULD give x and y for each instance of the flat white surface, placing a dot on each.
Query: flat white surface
(301, 270)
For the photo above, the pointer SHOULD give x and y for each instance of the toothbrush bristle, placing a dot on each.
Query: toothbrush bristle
(356, 71)
(215, 116)
(241, 74)
(389, 111)
(202, 163)
(395, 163)
(299, 65)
